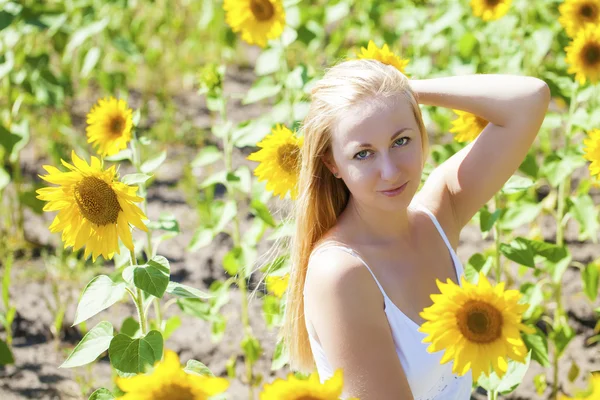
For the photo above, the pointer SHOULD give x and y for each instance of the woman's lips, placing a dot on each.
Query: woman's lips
(395, 192)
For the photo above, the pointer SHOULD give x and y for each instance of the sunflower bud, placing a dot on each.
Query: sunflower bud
(211, 78)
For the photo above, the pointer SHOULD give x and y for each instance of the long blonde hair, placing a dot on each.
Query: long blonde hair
(321, 196)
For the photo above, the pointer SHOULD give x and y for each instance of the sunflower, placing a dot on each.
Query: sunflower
(583, 55)
(258, 20)
(476, 325)
(109, 126)
(383, 55)
(467, 126)
(277, 284)
(592, 151)
(576, 14)
(490, 10)
(279, 161)
(168, 381)
(300, 389)
(592, 393)
(95, 209)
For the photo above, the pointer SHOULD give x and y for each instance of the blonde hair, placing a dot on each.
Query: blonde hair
(321, 196)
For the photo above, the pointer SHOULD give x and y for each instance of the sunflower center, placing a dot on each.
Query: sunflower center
(588, 11)
(117, 124)
(592, 53)
(492, 3)
(307, 398)
(97, 201)
(173, 391)
(480, 322)
(263, 10)
(288, 157)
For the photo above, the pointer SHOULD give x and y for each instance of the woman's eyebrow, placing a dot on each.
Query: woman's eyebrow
(393, 136)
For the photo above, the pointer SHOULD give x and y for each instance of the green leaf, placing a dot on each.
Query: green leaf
(268, 61)
(166, 222)
(586, 215)
(134, 355)
(135, 179)
(152, 164)
(90, 61)
(589, 276)
(562, 334)
(101, 394)
(4, 178)
(252, 349)
(336, 12)
(8, 139)
(197, 368)
(196, 308)
(232, 261)
(466, 45)
(262, 212)
(82, 34)
(6, 356)
(573, 371)
(99, 294)
(516, 184)
(169, 326)
(202, 238)
(208, 155)
(538, 345)
(184, 291)
(280, 357)
(93, 344)
(124, 154)
(130, 327)
(217, 328)
(519, 214)
(228, 212)
(263, 88)
(511, 379)
(519, 252)
(153, 277)
(487, 219)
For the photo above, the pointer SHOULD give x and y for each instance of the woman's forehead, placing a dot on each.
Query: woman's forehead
(370, 118)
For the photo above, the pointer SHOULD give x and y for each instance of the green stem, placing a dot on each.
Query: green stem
(497, 240)
(564, 189)
(241, 278)
(492, 395)
(138, 299)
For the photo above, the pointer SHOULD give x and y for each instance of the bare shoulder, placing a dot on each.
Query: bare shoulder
(434, 195)
(346, 310)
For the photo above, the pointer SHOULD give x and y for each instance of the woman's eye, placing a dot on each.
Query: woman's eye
(361, 154)
(404, 137)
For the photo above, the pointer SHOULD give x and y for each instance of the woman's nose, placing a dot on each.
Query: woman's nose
(389, 170)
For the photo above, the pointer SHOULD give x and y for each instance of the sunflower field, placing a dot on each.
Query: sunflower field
(148, 160)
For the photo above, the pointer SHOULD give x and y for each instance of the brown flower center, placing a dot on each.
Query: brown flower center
(588, 11)
(263, 10)
(173, 391)
(116, 125)
(97, 201)
(492, 3)
(591, 54)
(480, 322)
(288, 157)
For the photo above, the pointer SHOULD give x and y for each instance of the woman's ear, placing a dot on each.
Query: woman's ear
(329, 163)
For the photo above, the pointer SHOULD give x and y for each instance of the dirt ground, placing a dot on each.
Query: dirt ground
(36, 374)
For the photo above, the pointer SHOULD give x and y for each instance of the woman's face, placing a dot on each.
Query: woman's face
(376, 147)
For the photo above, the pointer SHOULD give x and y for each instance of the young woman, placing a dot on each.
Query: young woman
(368, 244)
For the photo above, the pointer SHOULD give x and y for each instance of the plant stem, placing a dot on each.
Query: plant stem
(492, 395)
(564, 189)
(497, 240)
(138, 299)
(241, 277)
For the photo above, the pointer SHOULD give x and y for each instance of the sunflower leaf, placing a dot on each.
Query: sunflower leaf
(135, 179)
(152, 164)
(99, 294)
(153, 277)
(101, 394)
(197, 368)
(94, 343)
(134, 355)
(6, 356)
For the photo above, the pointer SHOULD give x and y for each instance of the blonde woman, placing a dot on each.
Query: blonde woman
(368, 245)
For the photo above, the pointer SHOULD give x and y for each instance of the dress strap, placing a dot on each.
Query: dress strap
(437, 225)
(353, 253)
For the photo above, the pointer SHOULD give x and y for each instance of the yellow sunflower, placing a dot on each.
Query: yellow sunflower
(279, 161)
(477, 325)
(95, 209)
(467, 126)
(489, 10)
(592, 151)
(109, 126)
(583, 55)
(301, 389)
(592, 393)
(277, 284)
(257, 20)
(168, 381)
(383, 55)
(576, 14)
